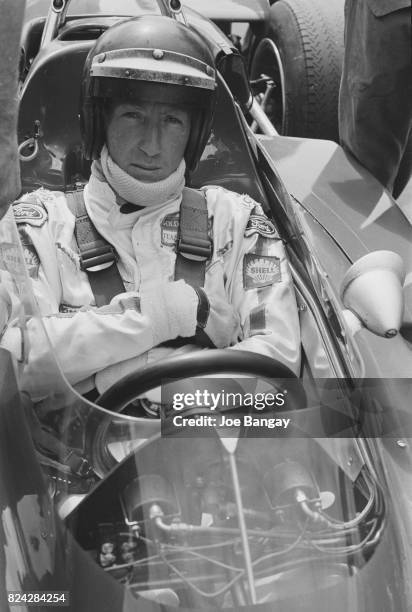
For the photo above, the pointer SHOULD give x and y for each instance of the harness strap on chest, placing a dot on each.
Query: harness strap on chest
(194, 246)
(97, 256)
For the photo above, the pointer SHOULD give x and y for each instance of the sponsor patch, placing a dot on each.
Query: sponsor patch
(169, 228)
(260, 271)
(68, 308)
(10, 259)
(30, 255)
(33, 214)
(259, 224)
(11, 262)
(32, 260)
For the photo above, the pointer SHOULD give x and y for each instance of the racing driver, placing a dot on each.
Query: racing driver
(136, 265)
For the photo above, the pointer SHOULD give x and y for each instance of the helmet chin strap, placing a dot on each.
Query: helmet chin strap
(137, 192)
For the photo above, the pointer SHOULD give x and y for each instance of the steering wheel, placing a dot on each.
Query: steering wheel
(201, 363)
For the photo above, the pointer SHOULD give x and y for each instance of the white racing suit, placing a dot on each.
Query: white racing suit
(96, 346)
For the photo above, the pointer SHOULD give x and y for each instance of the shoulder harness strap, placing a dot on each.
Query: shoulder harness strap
(97, 256)
(194, 245)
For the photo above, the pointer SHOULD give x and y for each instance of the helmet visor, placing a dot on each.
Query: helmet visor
(154, 65)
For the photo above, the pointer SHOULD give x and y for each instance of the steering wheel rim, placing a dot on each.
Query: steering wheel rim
(199, 363)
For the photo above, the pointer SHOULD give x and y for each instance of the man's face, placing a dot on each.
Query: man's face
(147, 139)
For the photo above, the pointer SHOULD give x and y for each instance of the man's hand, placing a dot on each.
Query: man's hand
(177, 310)
(171, 309)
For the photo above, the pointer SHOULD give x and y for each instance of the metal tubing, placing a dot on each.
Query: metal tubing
(173, 9)
(262, 120)
(53, 20)
(243, 528)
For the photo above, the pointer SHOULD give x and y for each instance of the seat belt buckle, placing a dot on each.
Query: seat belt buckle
(195, 249)
(96, 259)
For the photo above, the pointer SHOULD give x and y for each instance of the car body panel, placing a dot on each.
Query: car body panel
(348, 201)
(351, 214)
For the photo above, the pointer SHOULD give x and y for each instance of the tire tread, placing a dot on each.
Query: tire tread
(312, 63)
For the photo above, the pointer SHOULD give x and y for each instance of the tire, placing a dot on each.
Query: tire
(302, 51)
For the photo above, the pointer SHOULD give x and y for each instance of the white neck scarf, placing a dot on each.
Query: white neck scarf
(138, 192)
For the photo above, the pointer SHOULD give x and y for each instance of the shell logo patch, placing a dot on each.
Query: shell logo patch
(259, 224)
(29, 213)
(260, 271)
(169, 228)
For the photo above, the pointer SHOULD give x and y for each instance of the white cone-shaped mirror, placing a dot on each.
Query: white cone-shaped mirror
(372, 289)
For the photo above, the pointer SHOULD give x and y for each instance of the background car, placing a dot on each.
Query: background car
(310, 521)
